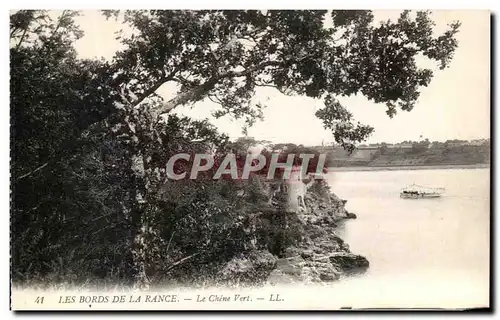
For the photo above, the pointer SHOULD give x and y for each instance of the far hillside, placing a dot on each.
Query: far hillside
(412, 153)
(405, 153)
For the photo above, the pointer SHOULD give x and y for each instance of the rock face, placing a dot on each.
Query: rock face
(321, 256)
(321, 202)
(248, 268)
(350, 263)
(318, 255)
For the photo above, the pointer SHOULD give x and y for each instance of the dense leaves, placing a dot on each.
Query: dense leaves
(225, 55)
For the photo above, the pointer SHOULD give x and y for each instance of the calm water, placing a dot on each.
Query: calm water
(434, 249)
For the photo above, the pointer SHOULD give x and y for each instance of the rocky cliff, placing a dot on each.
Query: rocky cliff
(297, 247)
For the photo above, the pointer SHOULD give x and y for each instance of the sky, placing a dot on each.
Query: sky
(456, 104)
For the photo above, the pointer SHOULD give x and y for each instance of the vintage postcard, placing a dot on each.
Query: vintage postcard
(250, 159)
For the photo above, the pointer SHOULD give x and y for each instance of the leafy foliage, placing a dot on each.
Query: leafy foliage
(225, 55)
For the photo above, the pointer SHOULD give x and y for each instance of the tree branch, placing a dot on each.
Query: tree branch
(58, 24)
(273, 86)
(249, 70)
(168, 245)
(32, 172)
(155, 87)
(13, 31)
(24, 33)
(22, 38)
(194, 94)
(199, 92)
(212, 97)
(150, 91)
(175, 264)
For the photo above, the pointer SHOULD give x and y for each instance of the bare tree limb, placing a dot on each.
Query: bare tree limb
(32, 172)
(175, 264)
(22, 38)
(170, 240)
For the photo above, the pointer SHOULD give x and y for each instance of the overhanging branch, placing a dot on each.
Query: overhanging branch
(199, 92)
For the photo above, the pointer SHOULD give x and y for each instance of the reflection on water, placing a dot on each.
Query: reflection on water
(433, 245)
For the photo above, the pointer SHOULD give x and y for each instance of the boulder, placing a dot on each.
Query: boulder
(349, 263)
(350, 215)
(307, 253)
(248, 268)
(262, 260)
(291, 266)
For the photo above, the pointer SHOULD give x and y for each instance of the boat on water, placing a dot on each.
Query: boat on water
(418, 192)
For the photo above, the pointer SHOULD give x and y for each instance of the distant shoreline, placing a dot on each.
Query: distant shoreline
(393, 168)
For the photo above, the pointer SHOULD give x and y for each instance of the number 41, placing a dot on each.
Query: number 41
(39, 300)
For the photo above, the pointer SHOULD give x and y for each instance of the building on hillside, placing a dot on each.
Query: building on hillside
(364, 153)
(404, 146)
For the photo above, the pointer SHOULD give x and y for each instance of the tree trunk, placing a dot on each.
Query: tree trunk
(191, 95)
(140, 225)
(141, 238)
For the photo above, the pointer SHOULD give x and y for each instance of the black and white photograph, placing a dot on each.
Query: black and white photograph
(250, 159)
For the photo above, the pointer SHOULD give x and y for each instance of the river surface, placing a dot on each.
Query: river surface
(422, 253)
